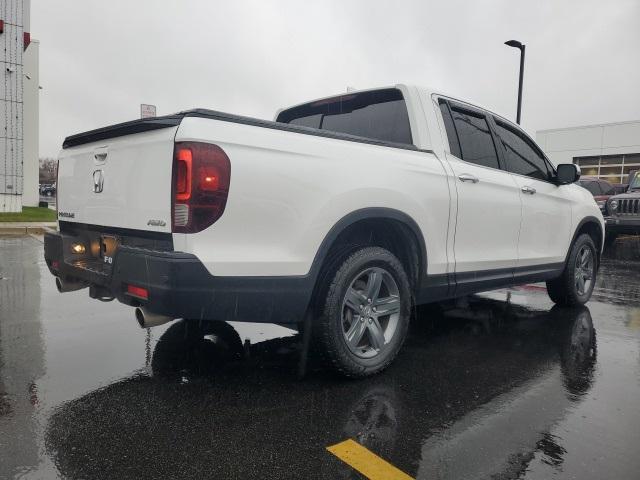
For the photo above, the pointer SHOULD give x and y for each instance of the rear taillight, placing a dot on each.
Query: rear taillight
(138, 292)
(201, 175)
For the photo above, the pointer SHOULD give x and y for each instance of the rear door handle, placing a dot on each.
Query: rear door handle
(466, 177)
(528, 190)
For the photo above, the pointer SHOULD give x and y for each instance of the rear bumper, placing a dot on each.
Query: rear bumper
(179, 285)
(628, 225)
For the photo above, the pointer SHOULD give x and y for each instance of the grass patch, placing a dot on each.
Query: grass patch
(30, 214)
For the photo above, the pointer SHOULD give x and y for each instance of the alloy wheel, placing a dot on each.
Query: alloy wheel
(584, 271)
(370, 312)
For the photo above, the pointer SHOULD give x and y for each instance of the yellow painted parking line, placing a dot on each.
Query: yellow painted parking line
(366, 462)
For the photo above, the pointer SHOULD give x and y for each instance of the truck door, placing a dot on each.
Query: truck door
(546, 208)
(489, 205)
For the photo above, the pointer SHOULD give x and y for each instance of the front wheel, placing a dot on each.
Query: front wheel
(575, 285)
(365, 313)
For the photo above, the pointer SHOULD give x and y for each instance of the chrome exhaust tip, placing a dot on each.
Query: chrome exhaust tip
(147, 319)
(69, 286)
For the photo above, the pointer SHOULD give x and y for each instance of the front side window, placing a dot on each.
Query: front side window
(522, 157)
(476, 142)
(378, 115)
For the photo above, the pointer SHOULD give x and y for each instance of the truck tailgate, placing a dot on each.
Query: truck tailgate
(122, 182)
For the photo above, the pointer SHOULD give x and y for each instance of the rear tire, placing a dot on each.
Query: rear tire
(575, 285)
(364, 313)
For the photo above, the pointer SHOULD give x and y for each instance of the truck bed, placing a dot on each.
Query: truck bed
(148, 124)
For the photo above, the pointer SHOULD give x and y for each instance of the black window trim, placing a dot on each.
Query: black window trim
(490, 119)
(534, 145)
(521, 130)
(475, 111)
(550, 165)
(456, 140)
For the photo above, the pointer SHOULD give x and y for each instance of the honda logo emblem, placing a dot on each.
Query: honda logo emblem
(98, 181)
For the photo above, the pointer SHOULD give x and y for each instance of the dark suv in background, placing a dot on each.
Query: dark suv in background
(623, 211)
(600, 189)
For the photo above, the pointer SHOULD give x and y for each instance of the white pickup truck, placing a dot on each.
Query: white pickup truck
(347, 211)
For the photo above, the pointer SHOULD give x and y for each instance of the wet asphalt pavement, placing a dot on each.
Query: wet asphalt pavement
(500, 385)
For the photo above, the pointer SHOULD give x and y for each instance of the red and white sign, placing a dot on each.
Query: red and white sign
(147, 111)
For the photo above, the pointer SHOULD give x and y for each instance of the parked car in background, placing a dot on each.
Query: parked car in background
(600, 189)
(48, 190)
(620, 187)
(624, 211)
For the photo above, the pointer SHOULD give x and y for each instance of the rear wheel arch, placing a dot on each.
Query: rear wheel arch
(377, 226)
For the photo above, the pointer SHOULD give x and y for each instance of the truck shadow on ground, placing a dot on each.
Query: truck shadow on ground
(618, 281)
(210, 407)
(625, 248)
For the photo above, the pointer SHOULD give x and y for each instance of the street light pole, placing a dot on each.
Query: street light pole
(521, 47)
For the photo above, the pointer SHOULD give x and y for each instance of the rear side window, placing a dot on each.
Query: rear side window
(378, 115)
(522, 156)
(476, 142)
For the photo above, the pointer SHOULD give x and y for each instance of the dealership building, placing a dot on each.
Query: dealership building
(608, 151)
(19, 108)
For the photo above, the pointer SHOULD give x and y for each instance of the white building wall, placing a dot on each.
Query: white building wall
(622, 139)
(31, 118)
(11, 89)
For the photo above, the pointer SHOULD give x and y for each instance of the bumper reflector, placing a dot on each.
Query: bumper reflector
(138, 292)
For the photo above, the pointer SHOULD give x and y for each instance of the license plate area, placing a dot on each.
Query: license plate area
(108, 245)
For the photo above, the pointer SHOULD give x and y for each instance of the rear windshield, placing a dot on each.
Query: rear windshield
(378, 115)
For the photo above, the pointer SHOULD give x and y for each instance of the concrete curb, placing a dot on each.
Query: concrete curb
(26, 228)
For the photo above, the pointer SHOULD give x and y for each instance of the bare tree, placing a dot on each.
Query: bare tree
(48, 170)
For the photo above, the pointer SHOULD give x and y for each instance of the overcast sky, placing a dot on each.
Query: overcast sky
(100, 59)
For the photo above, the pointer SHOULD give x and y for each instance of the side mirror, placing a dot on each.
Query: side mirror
(567, 173)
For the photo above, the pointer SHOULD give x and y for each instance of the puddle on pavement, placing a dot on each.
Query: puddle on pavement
(501, 385)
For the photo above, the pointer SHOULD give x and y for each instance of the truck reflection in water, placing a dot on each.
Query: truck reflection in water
(471, 396)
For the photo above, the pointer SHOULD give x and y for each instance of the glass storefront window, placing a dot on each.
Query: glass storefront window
(630, 158)
(611, 160)
(611, 179)
(610, 170)
(582, 161)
